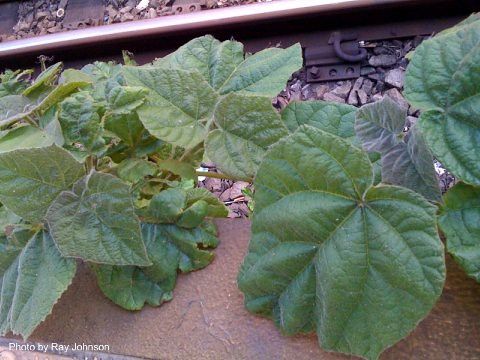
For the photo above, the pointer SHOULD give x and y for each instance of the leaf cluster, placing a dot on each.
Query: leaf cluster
(99, 165)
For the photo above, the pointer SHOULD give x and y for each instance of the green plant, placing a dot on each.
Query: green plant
(361, 264)
(99, 165)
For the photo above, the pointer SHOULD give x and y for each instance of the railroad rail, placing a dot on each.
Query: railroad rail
(258, 25)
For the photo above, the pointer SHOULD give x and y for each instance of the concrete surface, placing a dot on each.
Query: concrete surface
(207, 320)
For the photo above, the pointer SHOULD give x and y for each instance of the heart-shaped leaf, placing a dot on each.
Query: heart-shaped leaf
(96, 222)
(460, 221)
(171, 248)
(361, 265)
(30, 179)
(443, 80)
(246, 127)
(179, 104)
(213, 59)
(379, 126)
(32, 285)
(223, 65)
(334, 118)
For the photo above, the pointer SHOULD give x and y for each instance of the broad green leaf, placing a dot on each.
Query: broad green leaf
(33, 284)
(411, 165)
(28, 108)
(335, 118)
(51, 126)
(215, 60)
(194, 215)
(30, 179)
(360, 265)
(102, 73)
(246, 127)
(133, 170)
(460, 221)
(73, 75)
(443, 80)
(7, 217)
(11, 246)
(129, 287)
(96, 222)
(127, 127)
(124, 99)
(215, 208)
(166, 206)
(264, 73)
(13, 82)
(80, 121)
(179, 105)
(11, 106)
(379, 125)
(25, 137)
(180, 168)
(170, 248)
(46, 78)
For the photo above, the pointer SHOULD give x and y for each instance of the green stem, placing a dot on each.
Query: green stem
(215, 175)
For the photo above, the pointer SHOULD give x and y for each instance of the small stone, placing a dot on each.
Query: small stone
(367, 86)
(362, 97)
(332, 97)
(236, 189)
(396, 96)
(384, 60)
(358, 84)
(343, 89)
(321, 90)
(126, 9)
(377, 97)
(377, 76)
(367, 70)
(380, 50)
(395, 78)
(352, 98)
(152, 13)
(41, 15)
(127, 17)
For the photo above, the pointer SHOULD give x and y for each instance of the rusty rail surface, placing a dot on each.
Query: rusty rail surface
(154, 35)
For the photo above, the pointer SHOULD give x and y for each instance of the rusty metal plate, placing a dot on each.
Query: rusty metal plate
(8, 17)
(80, 13)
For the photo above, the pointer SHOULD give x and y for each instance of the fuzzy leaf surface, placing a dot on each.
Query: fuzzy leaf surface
(96, 222)
(380, 124)
(25, 137)
(334, 118)
(460, 221)
(215, 60)
(33, 284)
(171, 248)
(405, 162)
(179, 104)
(80, 121)
(443, 80)
(264, 73)
(30, 179)
(246, 127)
(360, 265)
(129, 287)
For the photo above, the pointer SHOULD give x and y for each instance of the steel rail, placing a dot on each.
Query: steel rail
(167, 25)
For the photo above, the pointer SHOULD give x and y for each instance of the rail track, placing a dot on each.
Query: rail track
(283, 22)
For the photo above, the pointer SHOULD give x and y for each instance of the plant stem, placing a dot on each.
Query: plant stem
(214, 175)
